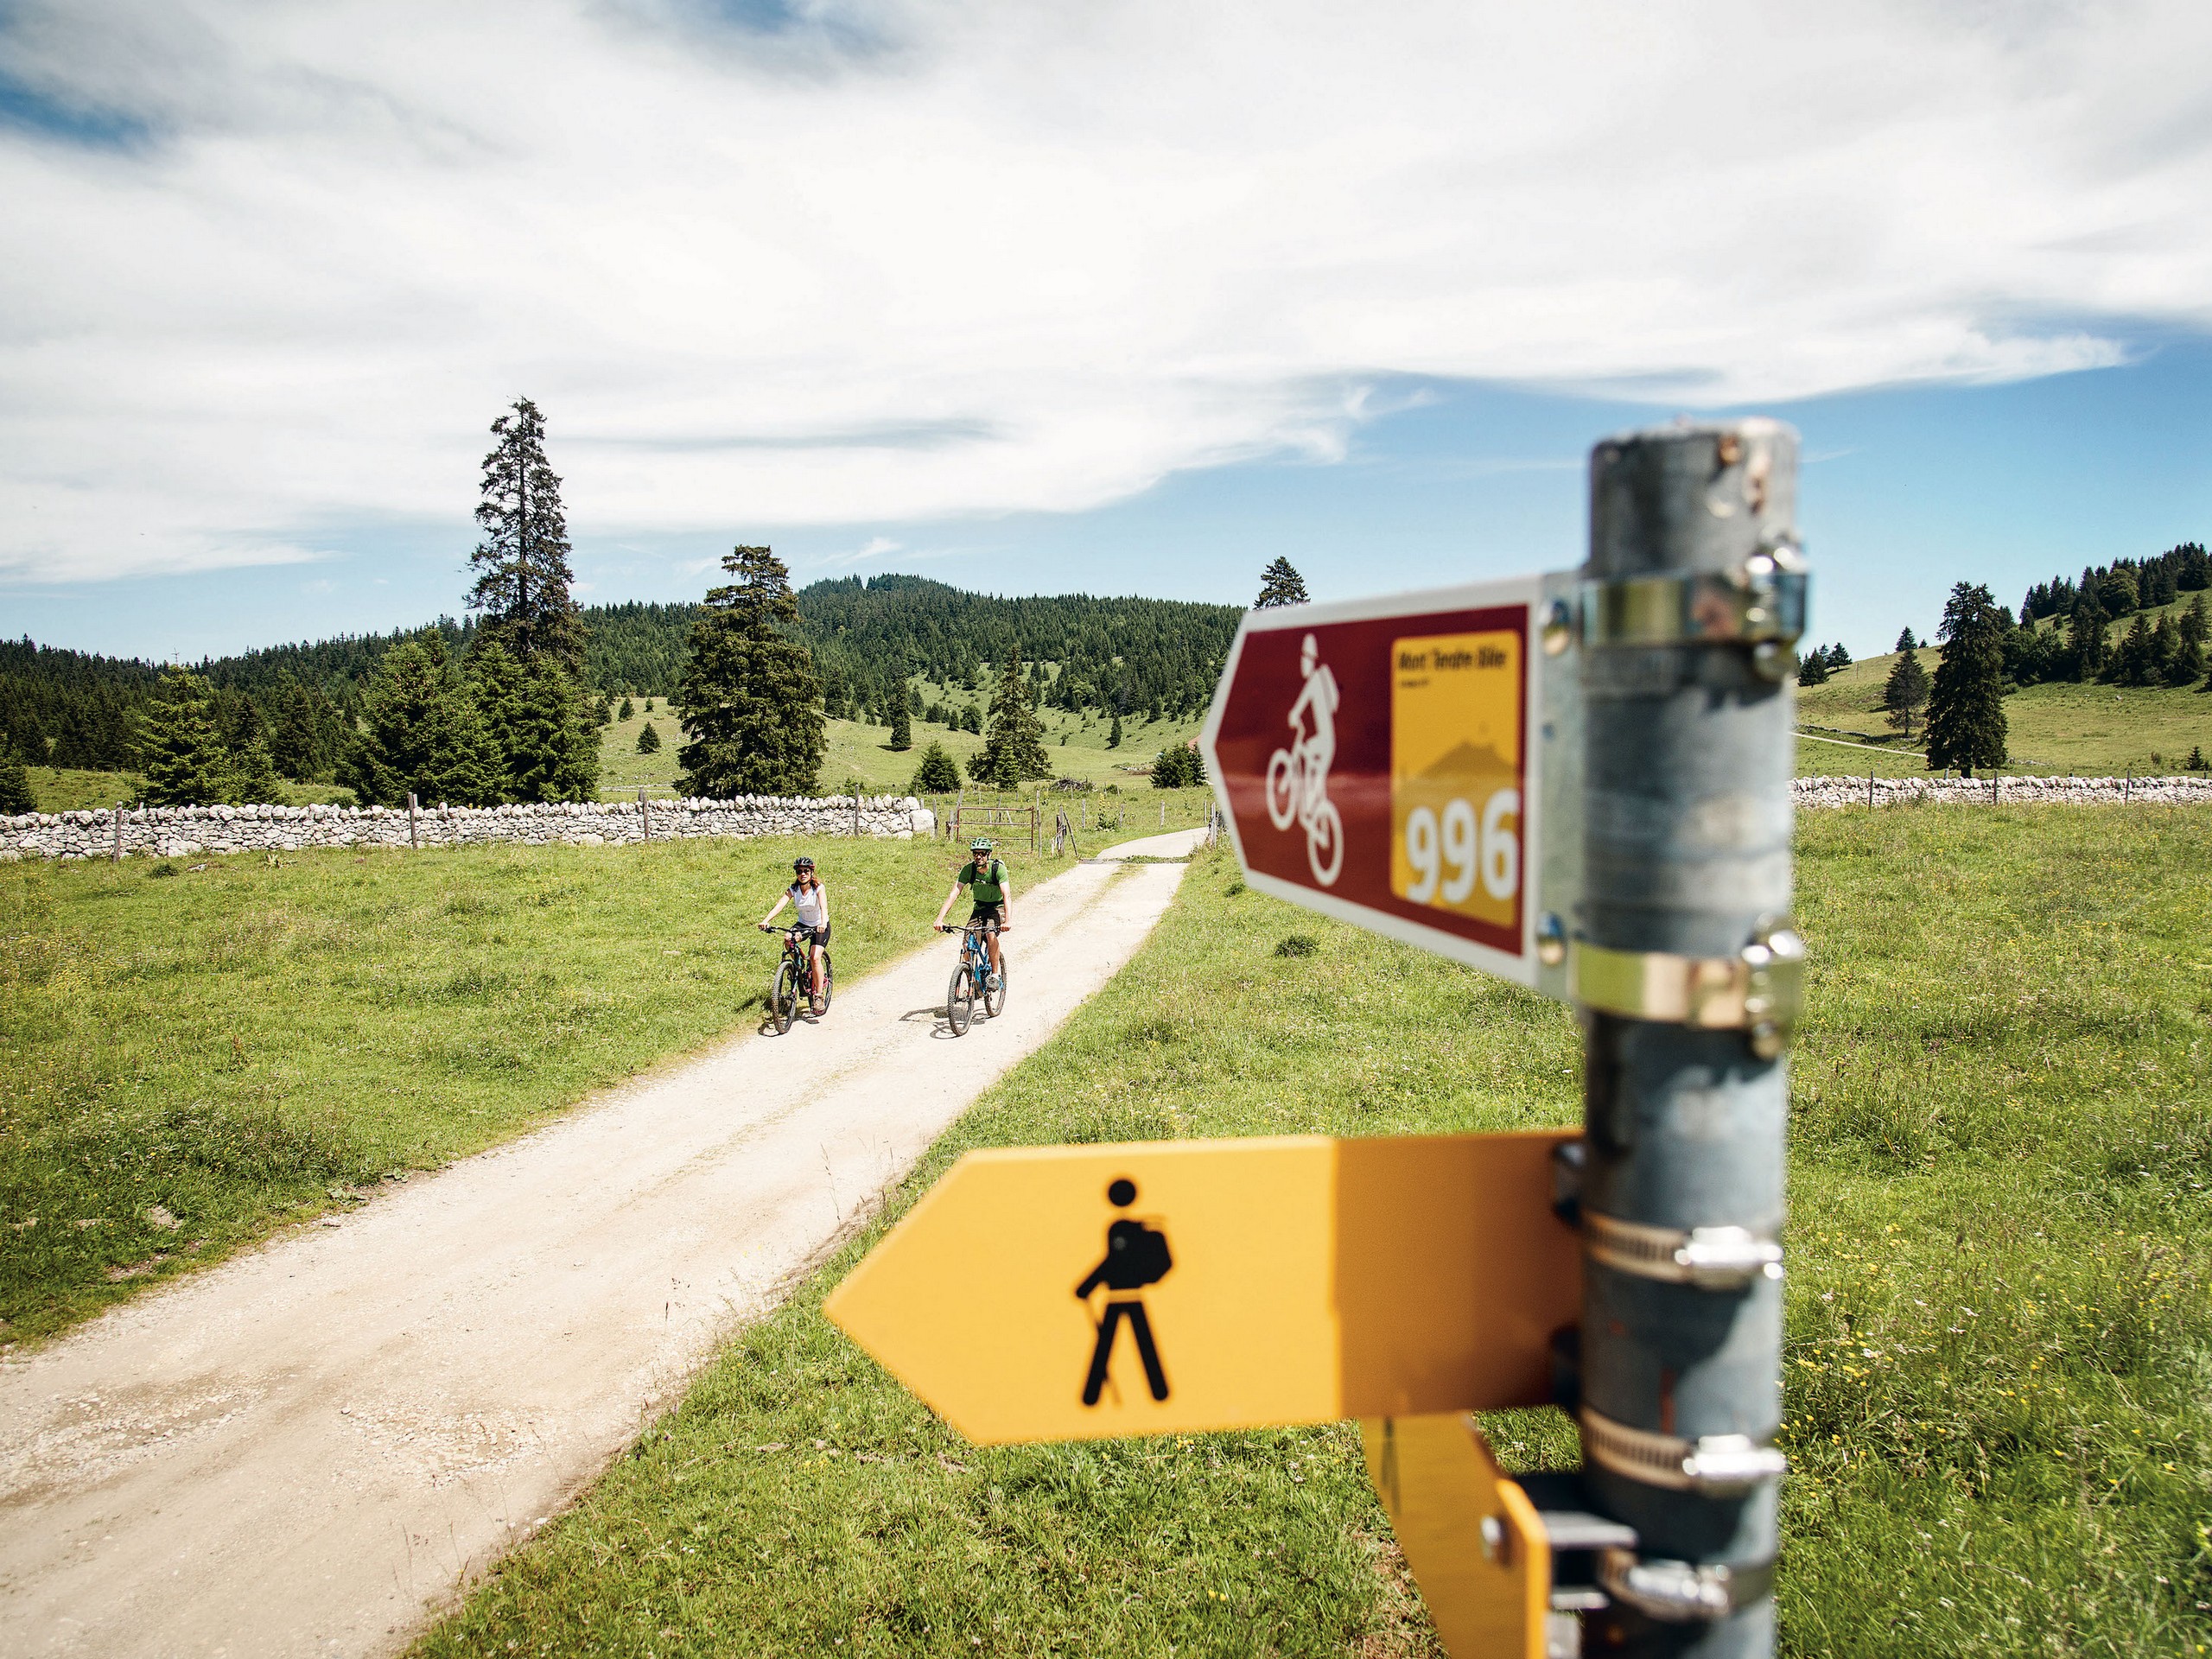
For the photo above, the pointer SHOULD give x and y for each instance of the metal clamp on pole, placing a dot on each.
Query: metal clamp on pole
(1759, 990)
(1712, 1258)
(1760, 603)
(1675, 1592)
(1716, 1466)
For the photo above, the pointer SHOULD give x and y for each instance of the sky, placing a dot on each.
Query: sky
(1129, 297)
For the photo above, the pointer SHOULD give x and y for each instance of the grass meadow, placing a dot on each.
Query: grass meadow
(200, 1051)
(1999, 1339)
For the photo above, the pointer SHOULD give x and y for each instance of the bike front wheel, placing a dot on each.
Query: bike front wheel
(829, 982)
(1324, 845)
(960, 1001)
(995, 991)
(783, 998)
(1283, 789)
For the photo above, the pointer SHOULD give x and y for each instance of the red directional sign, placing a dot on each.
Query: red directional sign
(1382, 760)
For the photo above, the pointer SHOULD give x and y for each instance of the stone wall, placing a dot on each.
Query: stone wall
(1976, 791)
(183, 831)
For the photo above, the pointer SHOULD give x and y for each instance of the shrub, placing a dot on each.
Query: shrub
(1297, 945)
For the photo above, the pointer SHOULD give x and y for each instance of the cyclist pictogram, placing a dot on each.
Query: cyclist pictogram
(1136, 1256)
(1298, 777)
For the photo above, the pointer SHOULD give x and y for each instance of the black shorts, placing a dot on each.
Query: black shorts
(983, 912)
(818, 935)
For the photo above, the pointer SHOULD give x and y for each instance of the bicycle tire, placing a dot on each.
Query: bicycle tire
(994, 1000)
(781, 1002)
(829, 982)
(960, 1001)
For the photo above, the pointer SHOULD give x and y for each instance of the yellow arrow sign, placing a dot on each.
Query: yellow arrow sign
(1472, 1538)
(1072, 1292)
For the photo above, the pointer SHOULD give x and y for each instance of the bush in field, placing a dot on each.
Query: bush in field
(937, 774)
(1178, 766)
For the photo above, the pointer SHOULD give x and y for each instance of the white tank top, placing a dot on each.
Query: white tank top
(812, 904)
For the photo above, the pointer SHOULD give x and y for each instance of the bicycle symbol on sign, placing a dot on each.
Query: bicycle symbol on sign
(1298, 777)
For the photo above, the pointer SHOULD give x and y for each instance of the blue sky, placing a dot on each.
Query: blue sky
(1131, 300)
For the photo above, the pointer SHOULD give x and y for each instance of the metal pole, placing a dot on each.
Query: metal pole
(1686, 967)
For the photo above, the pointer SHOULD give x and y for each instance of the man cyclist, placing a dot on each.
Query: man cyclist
(985, 877)
(810, 902)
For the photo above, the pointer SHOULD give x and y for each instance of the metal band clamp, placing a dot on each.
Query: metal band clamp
(1675, 1592)
(1758, 990)
(1712, 1258)
(1712, 1466)
(1760, 603)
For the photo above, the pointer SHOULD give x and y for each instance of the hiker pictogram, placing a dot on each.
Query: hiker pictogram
(1136, 1256)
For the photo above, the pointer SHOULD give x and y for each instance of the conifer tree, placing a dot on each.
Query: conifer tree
(16, 795)
(628, 710)
(1905, 641)
(2086, 645)
(1015, 751)
(2136, 662)
(750, 694)
(1813, 670)
(649, 740)
(421, 733)
(1280, 584)
(902, 726)
(1114, 735)
(296, 745)
(495, 686)
(1965, 704)
(1905, 690)
(937, 774)
(2187, 664)
(185, 762)
(555, 756)
(252, 781)
(522, 584)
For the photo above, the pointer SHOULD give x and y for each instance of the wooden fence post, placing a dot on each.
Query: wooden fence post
(118, 832)
(413, 840)
(644, 815)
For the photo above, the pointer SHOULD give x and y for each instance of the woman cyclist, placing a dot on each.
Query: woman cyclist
(809, 901)
(986, 876)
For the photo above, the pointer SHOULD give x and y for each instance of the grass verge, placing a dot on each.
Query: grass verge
(2000, 1330)
(196, 1053)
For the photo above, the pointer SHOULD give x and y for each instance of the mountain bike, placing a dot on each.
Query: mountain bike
(794, 980)
(973, 981)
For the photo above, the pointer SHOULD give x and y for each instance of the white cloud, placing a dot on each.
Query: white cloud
(895, 261)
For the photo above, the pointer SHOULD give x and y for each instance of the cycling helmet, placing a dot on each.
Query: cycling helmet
(801, 863)
(980, 844)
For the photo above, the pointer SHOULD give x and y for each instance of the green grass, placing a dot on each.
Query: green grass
(2093, 730)
(1999, 1346)
(241, 1041)
(63, 789)
(860, 750)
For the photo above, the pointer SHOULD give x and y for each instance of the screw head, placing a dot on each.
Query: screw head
(1558, 628)
(1551, 939)
(1493, 1538)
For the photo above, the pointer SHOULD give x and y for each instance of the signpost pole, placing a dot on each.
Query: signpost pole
(1686, 966)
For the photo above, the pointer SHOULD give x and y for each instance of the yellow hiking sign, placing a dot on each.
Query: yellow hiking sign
(1074, 1292)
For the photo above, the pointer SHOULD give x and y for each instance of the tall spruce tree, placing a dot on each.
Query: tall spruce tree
(902, 723)
(185, 762)
(16, 795)
(522, 564)
(495, 686)
(297, 745)
(750, 694)
(554, 755)
(251, 779)
(2187, 664)
(1966, 705)
(1905, 690)
(1015, 751)
(1280, 584)
(420, 734)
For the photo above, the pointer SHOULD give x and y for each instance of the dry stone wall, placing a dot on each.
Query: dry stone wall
(1980, 791)
(184, 831)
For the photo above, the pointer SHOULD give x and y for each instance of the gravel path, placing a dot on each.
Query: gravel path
(306, 1450)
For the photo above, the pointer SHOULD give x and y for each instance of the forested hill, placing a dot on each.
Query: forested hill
(75, 708)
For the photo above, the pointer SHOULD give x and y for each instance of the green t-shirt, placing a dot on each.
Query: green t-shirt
(988, 884)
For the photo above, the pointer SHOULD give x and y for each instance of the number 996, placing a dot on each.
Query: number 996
(1447, 858)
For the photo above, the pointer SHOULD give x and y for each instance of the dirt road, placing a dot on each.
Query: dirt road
(306, 1450)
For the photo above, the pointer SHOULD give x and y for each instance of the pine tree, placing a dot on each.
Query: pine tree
(1838, 657)
(2135, 663)
(1905, 641)
(16, 795)
(902, 726)
(495, 687)
(971, 720)
(522, 585)
(252, 775)
(1906, 689)
(184, 759)
(649, 740)
(421, 733)
(628, 710)
(2087, 647)
(555, 756)
(296, 745)
(1280, 584)
(1114, 736)
(1015, 751)
(2188, 664)
(1814, 670)
(750, 693)
(1965, 704)
(937, 774)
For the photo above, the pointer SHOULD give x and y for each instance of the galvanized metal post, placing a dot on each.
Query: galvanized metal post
(1686, 966)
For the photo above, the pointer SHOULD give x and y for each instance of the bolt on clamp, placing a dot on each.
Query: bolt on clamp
(1712, 1466)
(1712, 1258)
(1675, 1592)
(1757, 991)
